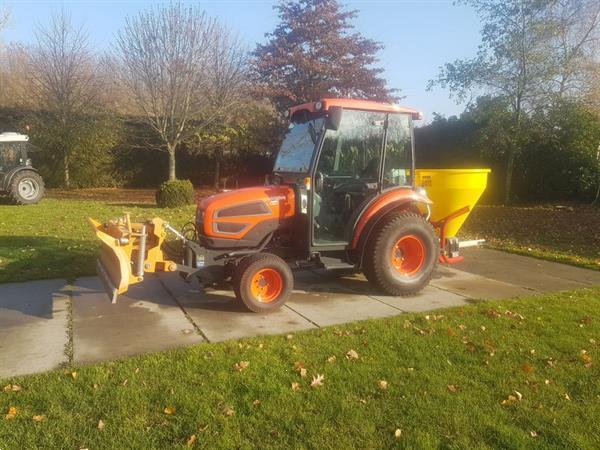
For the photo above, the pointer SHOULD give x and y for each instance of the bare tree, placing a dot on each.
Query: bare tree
(224, 91)
(577, 46)
(162, 57)
(61, 66)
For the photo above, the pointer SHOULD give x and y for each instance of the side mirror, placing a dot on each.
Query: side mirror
(334, 118)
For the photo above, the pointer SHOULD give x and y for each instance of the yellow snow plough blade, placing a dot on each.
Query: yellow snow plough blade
(128, 251)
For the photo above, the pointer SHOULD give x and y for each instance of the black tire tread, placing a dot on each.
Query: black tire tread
(13, 190)
(245, 268)
(374, 273)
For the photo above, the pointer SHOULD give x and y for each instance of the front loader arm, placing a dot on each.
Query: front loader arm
(128, 251)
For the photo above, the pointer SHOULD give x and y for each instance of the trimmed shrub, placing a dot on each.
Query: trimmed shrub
(173, 194)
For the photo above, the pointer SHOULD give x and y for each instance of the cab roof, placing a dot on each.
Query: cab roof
(348, 103)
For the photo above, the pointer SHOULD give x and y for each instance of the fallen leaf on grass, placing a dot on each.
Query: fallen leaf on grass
(383, 385)
(289, 337)
(39, 418)
(527, 368)
(242, 365)
(587, 360)
(351, 354)
(74, 375)
(101, 425)
(533, 434)
(567, 397)
(452, 388)
(11, 414)
(451, 331)
(295, 386)
(398, 433)
(192, 440)
(331, 359)
(256, 402)
(12, 388)
(302, 372)
(512, 399)
(317, 381)
(227, 410)
(170, 410)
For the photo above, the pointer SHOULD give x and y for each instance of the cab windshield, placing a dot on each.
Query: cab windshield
(298, 146)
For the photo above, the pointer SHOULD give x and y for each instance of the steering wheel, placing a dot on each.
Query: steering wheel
(346, 186)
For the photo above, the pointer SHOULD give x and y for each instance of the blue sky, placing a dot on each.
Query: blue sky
(419, 35)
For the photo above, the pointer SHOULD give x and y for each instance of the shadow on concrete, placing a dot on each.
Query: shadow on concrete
(34, 299)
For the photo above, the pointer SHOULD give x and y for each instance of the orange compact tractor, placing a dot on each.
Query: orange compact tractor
(342, 195)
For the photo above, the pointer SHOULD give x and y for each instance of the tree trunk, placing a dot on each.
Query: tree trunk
(597, 177)
(171, 150)
(66, 172)
(510, 164)
(217, 170)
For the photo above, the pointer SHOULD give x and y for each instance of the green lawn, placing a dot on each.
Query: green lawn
(567, 234)
(54, 240)
(517, 374)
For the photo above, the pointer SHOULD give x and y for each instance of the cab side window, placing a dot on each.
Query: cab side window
(396, 169)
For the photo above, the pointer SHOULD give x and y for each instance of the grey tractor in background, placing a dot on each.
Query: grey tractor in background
(19, 180)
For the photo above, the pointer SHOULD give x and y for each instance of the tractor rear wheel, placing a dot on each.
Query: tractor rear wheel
(401, 254)
(263, 282)
(26, 188)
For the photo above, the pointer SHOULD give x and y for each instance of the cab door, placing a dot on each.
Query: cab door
(346, 174)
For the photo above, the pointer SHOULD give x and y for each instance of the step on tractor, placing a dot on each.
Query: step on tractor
(18, 179)
(343, 195)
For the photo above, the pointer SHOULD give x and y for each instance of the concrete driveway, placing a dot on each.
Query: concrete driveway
(48, 324)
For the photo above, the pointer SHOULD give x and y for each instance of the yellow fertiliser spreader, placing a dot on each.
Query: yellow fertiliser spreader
(343, 194)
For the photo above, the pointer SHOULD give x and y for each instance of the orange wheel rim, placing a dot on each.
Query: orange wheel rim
(266, 285)
(408, 255)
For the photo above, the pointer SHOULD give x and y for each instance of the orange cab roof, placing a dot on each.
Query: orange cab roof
(363, 105)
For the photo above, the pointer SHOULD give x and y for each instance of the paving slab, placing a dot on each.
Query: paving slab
(145, 319)
(221, 316)
(33, 326)
(476, 286)
(426, 300)
(543, 276)
(325, 301)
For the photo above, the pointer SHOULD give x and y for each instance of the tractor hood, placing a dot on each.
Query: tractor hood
(233, 214)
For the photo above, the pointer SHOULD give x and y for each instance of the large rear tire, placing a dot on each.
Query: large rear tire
(263, 282)
(26, 188)
(401, 254)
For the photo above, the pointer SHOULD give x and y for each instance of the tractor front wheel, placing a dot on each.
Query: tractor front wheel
(401, 254)
(263, 282)
(26, 188)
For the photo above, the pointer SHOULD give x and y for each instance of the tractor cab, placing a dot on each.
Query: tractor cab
(13, 151)
(342, 154)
